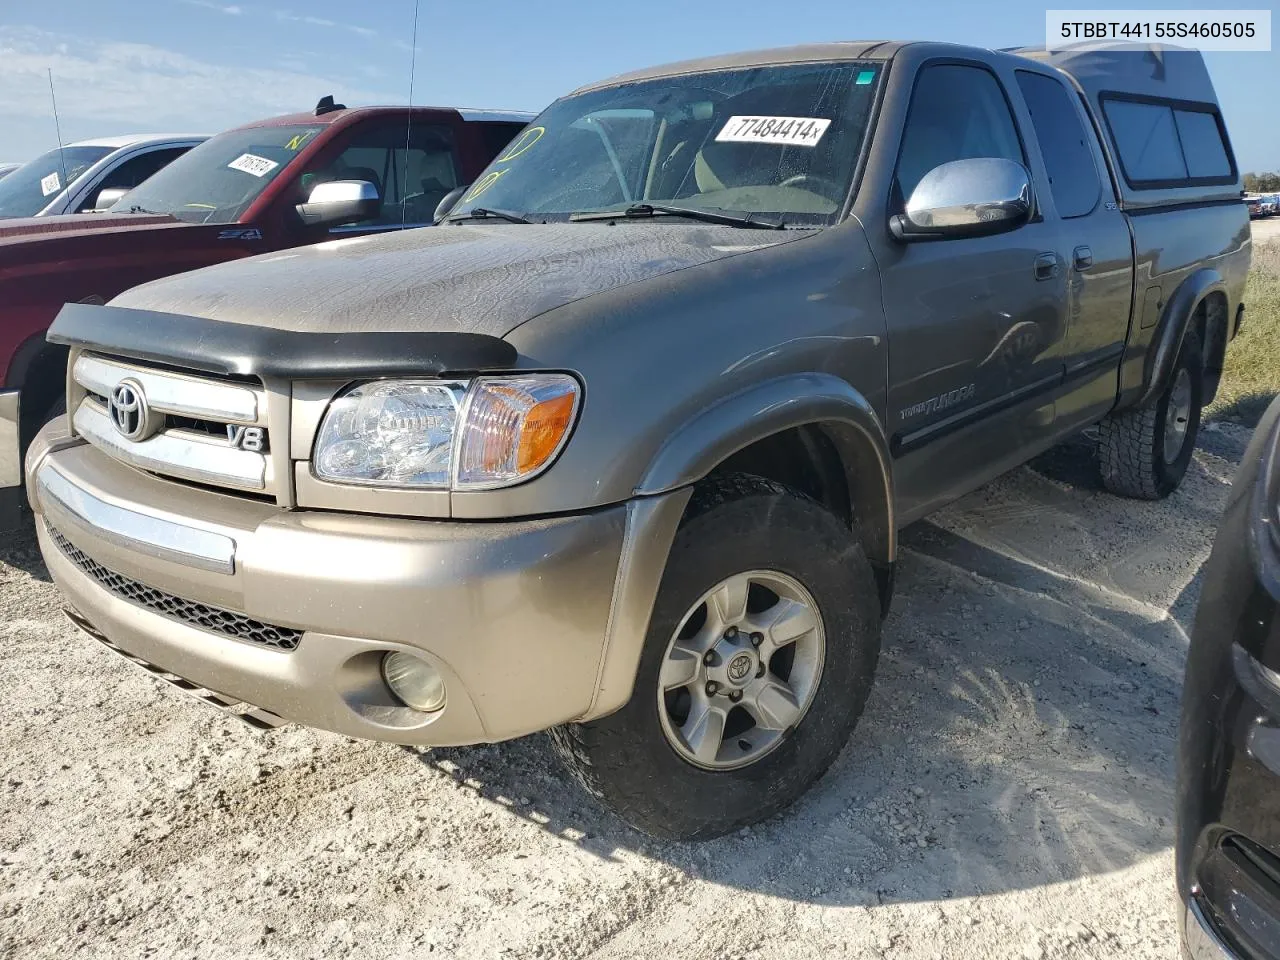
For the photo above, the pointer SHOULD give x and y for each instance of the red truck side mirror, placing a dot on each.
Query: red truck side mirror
(340, 201)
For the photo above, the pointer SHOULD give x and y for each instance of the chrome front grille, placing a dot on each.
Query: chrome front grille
(193, 614)
(188, 427)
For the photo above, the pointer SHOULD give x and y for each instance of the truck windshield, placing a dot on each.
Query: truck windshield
(31, 187)
(776, 140)
(216, 181)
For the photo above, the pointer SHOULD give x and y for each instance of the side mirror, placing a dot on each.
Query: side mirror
(966, 198)
(448, 202)
(107, 198)
(340, 201)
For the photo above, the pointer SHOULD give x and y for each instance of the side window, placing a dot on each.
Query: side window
(957, 112)
(132, 172)
(1064, 144)
(411, 182)
(1168, 144)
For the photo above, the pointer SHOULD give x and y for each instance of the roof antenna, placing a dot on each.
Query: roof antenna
(408, 126)
(62, 157)
(326, 105)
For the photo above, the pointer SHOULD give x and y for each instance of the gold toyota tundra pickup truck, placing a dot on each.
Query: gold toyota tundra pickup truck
(620, 449)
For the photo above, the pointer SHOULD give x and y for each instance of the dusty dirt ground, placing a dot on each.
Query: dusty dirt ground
(1007, 794)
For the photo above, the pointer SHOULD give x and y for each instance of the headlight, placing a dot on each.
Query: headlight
(433, 434)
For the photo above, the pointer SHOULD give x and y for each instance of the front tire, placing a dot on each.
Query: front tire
(759, 657)
(1144, 453)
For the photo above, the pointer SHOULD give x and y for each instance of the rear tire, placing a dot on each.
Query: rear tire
(1144, 453)
(639, 761)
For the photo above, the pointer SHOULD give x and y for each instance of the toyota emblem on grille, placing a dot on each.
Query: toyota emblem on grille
(127, 407)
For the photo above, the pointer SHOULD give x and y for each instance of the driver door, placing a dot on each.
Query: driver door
(976, 325)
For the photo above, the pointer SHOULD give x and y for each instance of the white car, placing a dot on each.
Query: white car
(77, 177)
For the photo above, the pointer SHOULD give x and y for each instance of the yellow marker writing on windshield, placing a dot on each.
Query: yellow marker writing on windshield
(298, 141)
(484, 183)
(522, 143)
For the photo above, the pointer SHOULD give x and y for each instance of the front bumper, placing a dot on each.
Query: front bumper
(531, 623)
(1200, 938)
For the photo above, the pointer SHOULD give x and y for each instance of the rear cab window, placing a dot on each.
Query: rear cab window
(1168, 143)
(1065, 144)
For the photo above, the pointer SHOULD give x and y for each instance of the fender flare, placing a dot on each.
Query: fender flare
(805, 399)
(695, 449)
(1162, 354)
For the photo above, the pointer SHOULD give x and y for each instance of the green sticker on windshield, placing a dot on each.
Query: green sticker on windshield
(865, 77)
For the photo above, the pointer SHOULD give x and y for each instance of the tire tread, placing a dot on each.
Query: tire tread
(1128, 458)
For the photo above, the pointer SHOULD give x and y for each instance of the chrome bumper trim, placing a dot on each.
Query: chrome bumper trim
(176, 453)
(69, 507)
(10, 452)
(184, 396)
(1199, 936)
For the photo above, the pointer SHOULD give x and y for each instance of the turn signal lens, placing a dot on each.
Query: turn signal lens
(513, 427)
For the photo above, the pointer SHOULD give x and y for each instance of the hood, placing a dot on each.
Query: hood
(17, 229)
(480, 279)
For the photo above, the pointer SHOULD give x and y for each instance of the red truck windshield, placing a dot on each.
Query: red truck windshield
(216, 181)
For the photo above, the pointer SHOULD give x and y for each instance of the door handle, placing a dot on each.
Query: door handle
(1046, 266)
(1083, 257)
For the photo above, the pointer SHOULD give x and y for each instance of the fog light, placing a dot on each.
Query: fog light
(414, 681)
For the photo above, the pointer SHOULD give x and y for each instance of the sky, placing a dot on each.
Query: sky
(126, 66)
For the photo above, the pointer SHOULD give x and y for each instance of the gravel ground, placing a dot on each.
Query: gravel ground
(1007, 794)
(1265, 231)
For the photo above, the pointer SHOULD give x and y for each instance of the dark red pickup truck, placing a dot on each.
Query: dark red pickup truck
(247, 191)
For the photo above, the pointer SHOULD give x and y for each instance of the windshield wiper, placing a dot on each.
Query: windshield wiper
(665, 209)
(484, 213)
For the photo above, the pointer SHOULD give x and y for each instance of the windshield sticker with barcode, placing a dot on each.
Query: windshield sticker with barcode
(253, 164)
(50, 184)
(789, 131)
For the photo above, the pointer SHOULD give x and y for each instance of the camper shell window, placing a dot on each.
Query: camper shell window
(1168, 143)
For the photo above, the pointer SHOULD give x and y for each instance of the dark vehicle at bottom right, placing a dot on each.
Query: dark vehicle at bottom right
(1228, 837)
